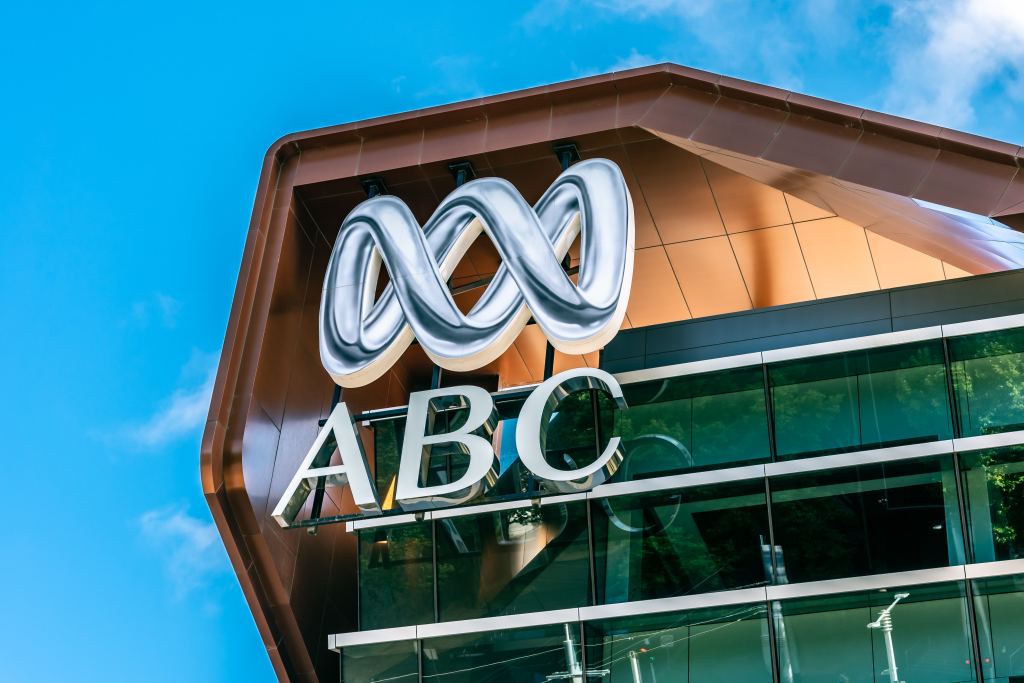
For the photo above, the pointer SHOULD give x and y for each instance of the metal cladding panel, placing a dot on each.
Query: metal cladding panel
(720, 200)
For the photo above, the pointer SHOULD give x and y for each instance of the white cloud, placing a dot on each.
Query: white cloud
(946, 53)
(633, 60)
(183, 412)
(191, 549)
(738, 35)
(163, 307)
(453, 76)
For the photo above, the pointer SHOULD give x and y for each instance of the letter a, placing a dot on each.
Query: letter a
(352, 471)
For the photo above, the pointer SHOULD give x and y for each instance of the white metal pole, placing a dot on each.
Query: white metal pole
(889, 652)
(571, 663)
(884, 622)
(634, 665)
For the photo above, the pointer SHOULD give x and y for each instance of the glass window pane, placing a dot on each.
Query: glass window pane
(579, 430)
(396, 576)
(392, 662)
(988, 371)
(871, 519)
(693, 422)
(827, 639)
(862, 399)
(694, 540)
(387, 446)
(512, 656)
(998, 606)
(524, 560)
(994, 489)
(721, 644)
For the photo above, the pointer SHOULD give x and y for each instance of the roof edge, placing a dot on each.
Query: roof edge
(735, 88)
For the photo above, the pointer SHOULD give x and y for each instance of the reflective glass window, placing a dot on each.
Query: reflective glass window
(828, 639)
(579, 429)
(693, 540)
(392, 662)
(871, 519)
(693, 422)
(988, 373)
(862, 399)
(396, 576)
(994, 489)
(445, 462)
(529, 559)
(998, 606)
(387, 449)
(528, 655)
(720, 644)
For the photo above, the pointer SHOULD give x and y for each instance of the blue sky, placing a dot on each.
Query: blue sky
(134, 135)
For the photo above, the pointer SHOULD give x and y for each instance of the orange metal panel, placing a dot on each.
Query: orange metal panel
(837, 256)
(898, 265)
(709, 275)
(655, 297)
(772, 266)
(745, 203)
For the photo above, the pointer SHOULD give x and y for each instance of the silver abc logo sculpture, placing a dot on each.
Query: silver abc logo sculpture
(361, 337)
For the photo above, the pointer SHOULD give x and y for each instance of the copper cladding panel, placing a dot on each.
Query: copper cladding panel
(898, 265)
(270, 392)
(837, 256)
(709, 276)
(773, 266)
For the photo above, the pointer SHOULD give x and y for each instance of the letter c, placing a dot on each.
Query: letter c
(535, 417)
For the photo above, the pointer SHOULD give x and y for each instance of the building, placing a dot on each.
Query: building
(822, 364)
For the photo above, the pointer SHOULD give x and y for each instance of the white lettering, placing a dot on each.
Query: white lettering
(352, 471)
(420, 426)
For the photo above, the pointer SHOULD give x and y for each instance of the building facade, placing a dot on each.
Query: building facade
(814, 395)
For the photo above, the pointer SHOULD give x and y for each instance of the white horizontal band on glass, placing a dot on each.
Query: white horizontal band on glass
(676, 604)
(380, 635)
(677, 481)
(390, 520)
(1004, 322)
(853, 344)
(866, 583)
(456, 628)
(984, 570)
(976, 443)
(479, 509)
(564, 498)
(756, 595)
(828, 462)
(691, 368)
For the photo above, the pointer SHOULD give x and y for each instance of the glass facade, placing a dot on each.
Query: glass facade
(721, 644)
(994, 494)
(826, 639)
(873, 398)
(857, 517)
(999, 604)
(399, 661)
(514, 656)
(937, 633)
(528, 559)
(396, 576)
(988, 372)
(694, 540)
(694, 422)
(865, 516)
(862, 399)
